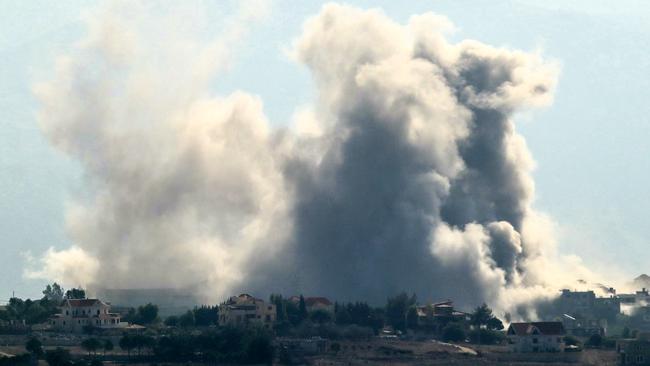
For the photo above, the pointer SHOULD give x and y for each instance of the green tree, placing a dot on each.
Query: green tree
(205, 316)
(127, 343)
(320, 316)
(75, 293)
(494, 324)
(481, 315)
(626, 333)
(186, 320)
(259, 349)
(453, 332)
(58, 357)
(53, 292)
(595, 341)
(34, 347)
(108, 346)
(302, 307)
(91, 345)
(412, 318)
(396, 309)
(570, 340)
(147, 314)
(171, 321)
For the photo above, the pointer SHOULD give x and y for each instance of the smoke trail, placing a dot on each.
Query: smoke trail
(407, 174)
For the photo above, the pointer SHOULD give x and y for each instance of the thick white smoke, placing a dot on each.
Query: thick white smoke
(406, 174)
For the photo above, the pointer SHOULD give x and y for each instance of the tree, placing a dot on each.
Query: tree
(91, 345)
(75, 293)
(396, 308)
(303, 308)
(626, 333)
(453, 332)
(147, 314)
(34, 347)
(412, 318)
(494, 324)
(320, 316)
(53, 292)
(595, 340)
(570, 340)
(171, 321)
(127, 343)
(481, 315)
(108, 346)
(186, 320)
(259, 349)
(58, 357)
(205, 316)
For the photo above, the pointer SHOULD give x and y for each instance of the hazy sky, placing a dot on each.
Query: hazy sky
(592, 159)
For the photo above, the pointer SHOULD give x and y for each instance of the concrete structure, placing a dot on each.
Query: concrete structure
(536, 337)
(633, 352)
(590, 313)
(639, 298)
(76, 314)
(246, 310)
(436, 316)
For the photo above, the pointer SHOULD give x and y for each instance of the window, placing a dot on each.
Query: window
(66, 313)
(535, 340)
(639, 359)
(268, 318)
(559, 340)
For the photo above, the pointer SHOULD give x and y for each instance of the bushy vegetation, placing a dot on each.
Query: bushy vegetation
(224, 345)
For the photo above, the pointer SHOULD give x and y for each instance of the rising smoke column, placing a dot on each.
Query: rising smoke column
(183, 187)
(422, 183)
(406, 174)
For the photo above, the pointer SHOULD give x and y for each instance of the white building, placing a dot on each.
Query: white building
(536, 337)
(79, 313)
(245, 310)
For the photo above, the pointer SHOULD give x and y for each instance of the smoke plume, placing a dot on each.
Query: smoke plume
(406, 173)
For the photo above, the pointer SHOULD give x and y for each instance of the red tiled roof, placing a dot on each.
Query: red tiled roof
(311, 301)
(544, 328)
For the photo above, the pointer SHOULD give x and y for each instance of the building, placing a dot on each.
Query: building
(77, 314)
(589, 312)
(633, 352)
(639, 298)
(536, 337)
(245, 310)
(434, 317)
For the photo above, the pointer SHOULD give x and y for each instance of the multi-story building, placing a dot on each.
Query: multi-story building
(633, 352)
(76, 314)
(434, 317)
(536, 337)
(245, 310)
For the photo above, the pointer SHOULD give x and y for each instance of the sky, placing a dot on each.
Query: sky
(589, 145)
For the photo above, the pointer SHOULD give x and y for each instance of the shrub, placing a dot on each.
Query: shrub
(453, 333)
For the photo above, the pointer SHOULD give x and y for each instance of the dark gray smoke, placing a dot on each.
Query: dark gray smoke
(406, 174)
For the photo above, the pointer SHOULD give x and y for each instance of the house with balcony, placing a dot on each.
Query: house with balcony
(77, 314)
(244, 310)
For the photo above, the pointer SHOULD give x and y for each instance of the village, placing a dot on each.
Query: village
(65, 328)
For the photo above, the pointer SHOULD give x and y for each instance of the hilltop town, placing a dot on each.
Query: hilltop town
(67, 327)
